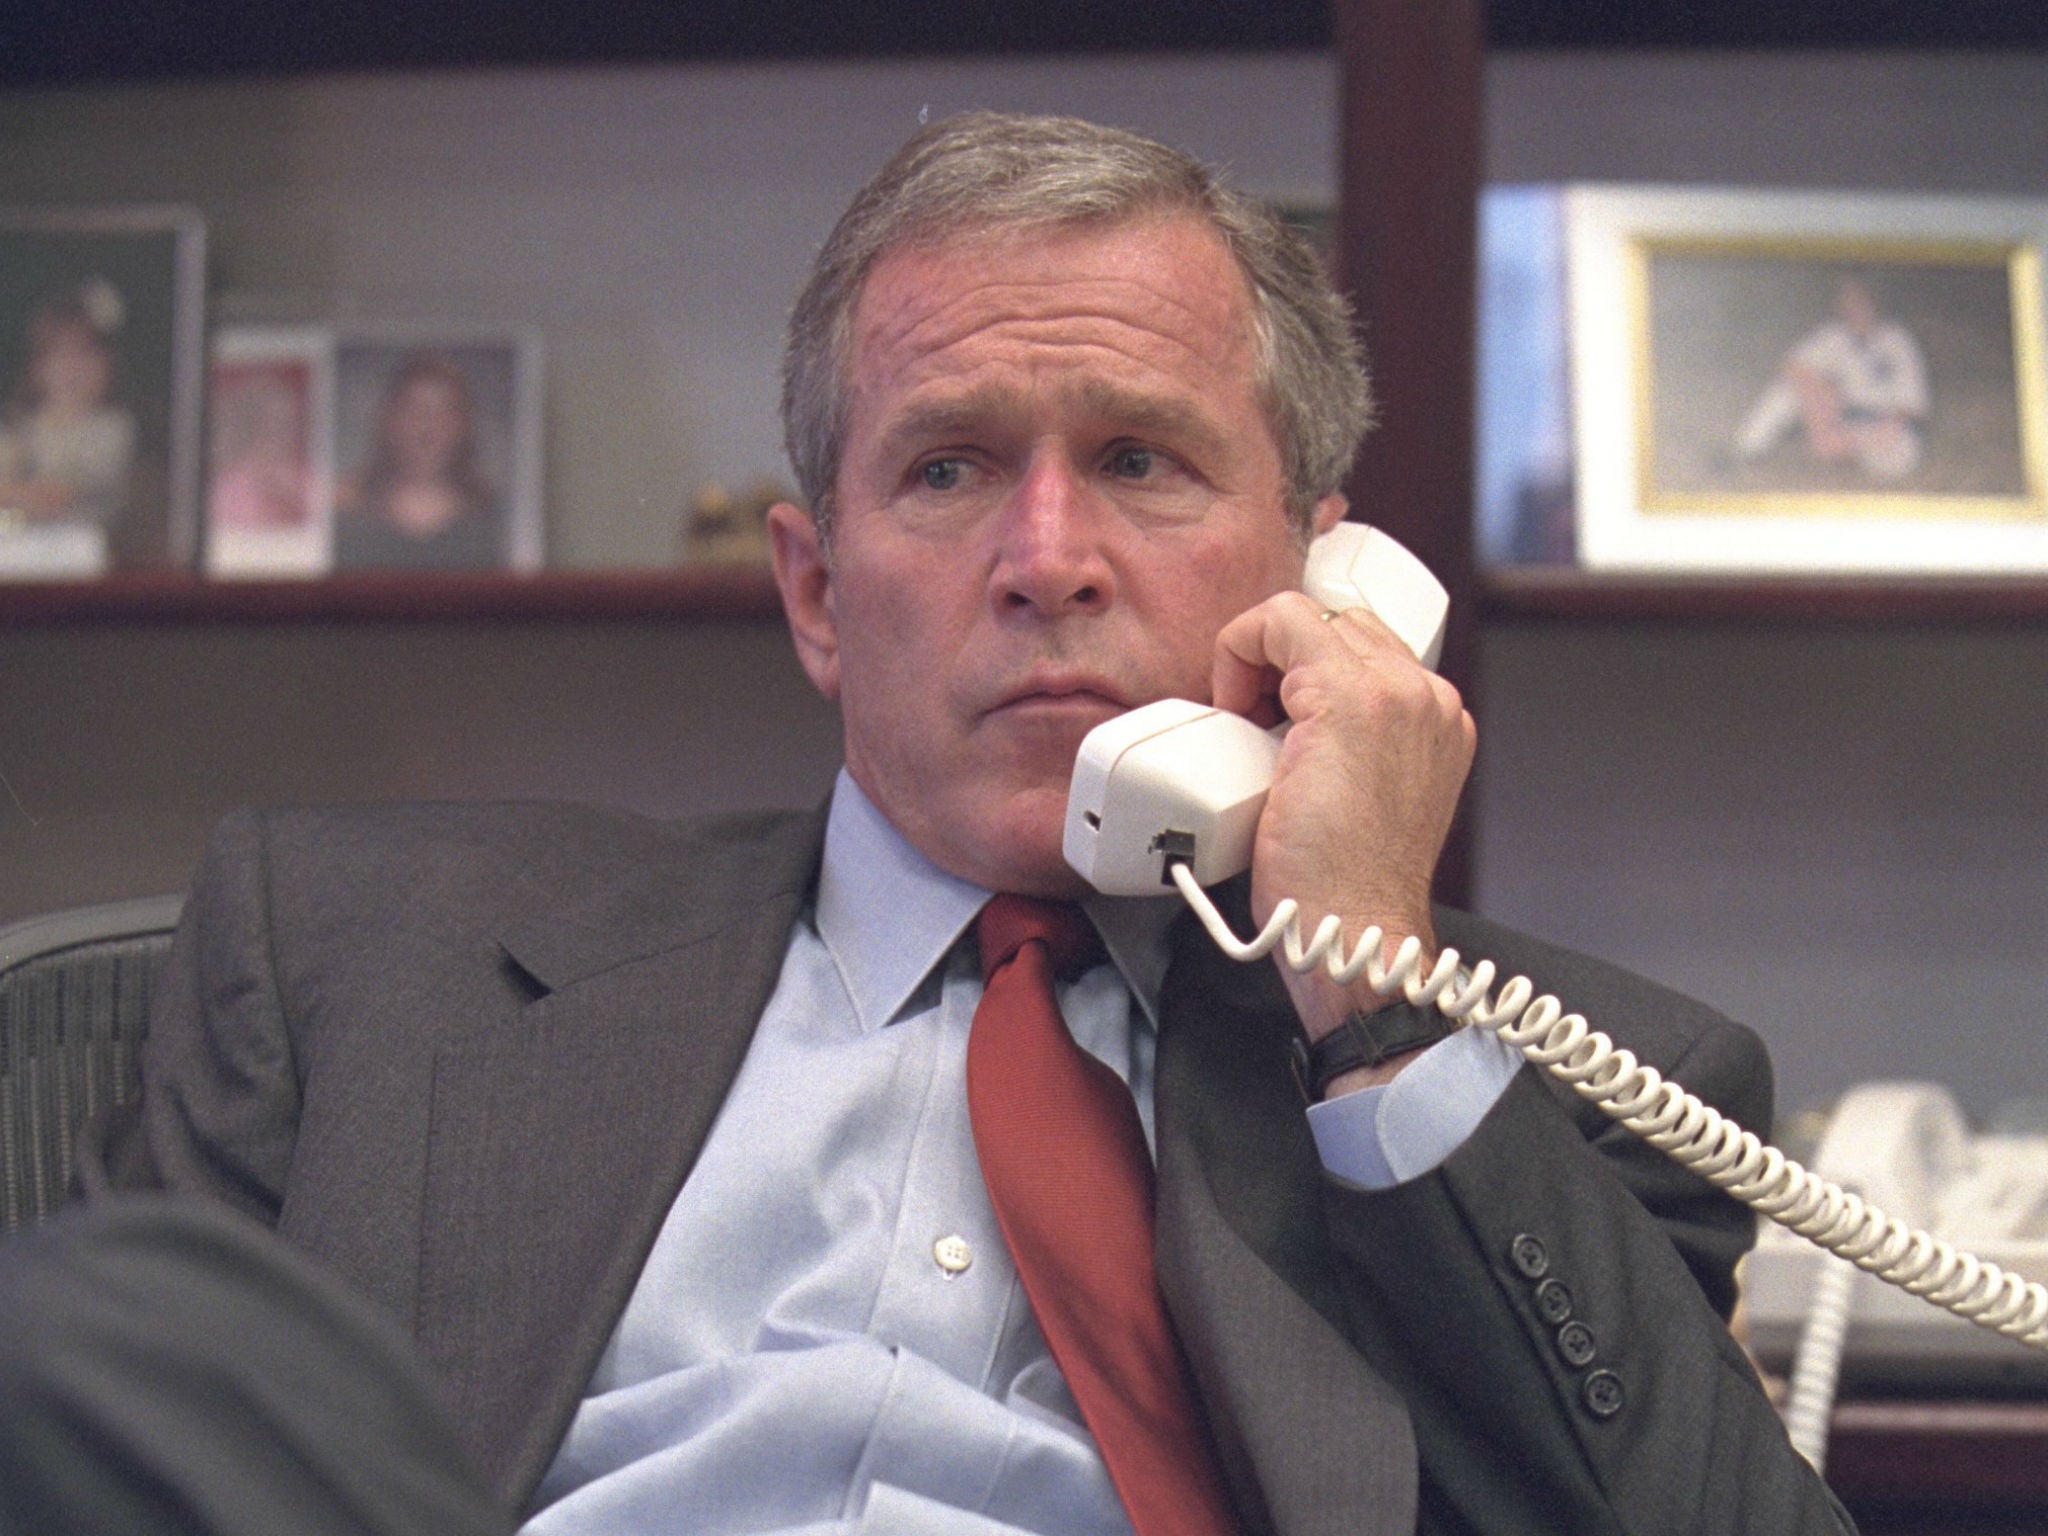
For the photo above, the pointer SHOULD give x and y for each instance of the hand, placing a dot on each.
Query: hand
(1366, 784)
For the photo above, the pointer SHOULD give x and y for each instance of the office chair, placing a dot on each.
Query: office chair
(74, 1004)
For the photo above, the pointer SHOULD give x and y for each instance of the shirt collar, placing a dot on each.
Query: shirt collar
(888, 915)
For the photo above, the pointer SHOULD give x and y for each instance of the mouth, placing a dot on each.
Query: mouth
(1062, 698)
(1063, 693)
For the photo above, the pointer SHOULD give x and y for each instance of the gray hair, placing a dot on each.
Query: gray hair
(986, 171)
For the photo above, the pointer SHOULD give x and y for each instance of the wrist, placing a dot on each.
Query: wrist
(1323, 1004)
(1370, 1077)
(1366, 1048)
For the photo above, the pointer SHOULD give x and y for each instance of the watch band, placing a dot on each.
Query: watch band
(1366, 1040)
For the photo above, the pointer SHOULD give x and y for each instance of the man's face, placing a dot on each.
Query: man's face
(1856, 306)
(1056, 486)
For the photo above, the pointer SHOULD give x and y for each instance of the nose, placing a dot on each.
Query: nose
(1050, 557)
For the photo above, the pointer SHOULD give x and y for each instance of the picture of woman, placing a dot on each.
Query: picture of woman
(421, 499)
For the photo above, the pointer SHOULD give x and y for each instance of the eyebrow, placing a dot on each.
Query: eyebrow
(1134, 411)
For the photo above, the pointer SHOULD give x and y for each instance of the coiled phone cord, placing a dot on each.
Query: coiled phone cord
(1817, 1362)
(1692, 1132)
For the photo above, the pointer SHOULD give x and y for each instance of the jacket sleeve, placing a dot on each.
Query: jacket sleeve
(220, 1101)
(1551, 1303)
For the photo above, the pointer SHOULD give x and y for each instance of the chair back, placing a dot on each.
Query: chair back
(74, 1005)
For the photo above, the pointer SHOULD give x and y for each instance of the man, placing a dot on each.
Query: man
(658, 1137)
(1856, 385)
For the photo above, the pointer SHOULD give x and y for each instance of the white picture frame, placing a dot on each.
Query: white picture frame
(270, 452)
(1713, 431)
(483, 384)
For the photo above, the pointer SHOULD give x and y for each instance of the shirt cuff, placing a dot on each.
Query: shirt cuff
(1383, 1136)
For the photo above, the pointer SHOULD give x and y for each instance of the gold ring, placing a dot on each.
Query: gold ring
(1329, 614)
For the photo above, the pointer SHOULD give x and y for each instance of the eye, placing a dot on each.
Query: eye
(942, 474)
(1132, 463)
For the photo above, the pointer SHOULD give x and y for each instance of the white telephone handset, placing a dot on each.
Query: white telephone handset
(1178, 780)
(1170, 795)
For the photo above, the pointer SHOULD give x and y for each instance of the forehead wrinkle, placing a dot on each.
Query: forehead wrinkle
(1219, 293)
(1053, 314)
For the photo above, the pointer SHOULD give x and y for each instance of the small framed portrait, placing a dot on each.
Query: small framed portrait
(270, 451)
(101, 334)
(1805, 383)
(436, 452)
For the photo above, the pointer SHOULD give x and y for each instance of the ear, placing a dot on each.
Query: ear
(805, 582)
(1330, 511)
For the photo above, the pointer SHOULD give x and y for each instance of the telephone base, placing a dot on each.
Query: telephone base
(1897, 1342)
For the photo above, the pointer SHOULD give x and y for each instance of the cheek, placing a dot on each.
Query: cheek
(906, 605)
(1196, 608)
(894, 654)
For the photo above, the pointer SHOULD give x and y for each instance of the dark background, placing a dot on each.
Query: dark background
(70, 41)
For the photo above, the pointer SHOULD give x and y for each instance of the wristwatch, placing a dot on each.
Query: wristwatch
(1365, 1040)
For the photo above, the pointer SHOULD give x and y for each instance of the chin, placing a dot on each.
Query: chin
(1019, 848)
(1050, 877)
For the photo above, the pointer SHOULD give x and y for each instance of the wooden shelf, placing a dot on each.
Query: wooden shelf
(1556, 592)
(1955, 1454)
(747, 592)
(701, 592)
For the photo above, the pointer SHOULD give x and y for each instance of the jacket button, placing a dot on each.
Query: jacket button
(1529, 1256)
(1553, 1301)
(1602, 1394)
(1575, 1343)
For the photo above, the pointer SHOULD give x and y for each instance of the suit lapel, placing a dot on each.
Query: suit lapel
(1247, 1270)
(558, 1143)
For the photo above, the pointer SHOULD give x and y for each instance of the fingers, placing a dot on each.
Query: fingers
(1367, 781)
(1255, 650)
(1281, 657)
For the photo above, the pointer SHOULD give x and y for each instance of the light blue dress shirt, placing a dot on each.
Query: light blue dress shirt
(829, 1335)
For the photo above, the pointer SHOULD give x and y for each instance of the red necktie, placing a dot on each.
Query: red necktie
(1068, 1172)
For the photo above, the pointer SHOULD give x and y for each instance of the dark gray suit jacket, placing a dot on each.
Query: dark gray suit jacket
(466, 1055)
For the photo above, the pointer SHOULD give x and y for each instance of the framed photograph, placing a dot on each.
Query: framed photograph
(270, 452)
(436, 451)
(101, 335)
(1801, 382)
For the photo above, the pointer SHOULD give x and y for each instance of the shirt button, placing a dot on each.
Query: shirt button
(1602, 1394)
(1530, 1256)
(953, 1255)
(1553, 1301)
(1575, 1343)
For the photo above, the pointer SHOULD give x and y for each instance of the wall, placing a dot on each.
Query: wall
(122, 745)
(1835, 832)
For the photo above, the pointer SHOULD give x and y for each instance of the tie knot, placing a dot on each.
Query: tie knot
(1008, 923)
